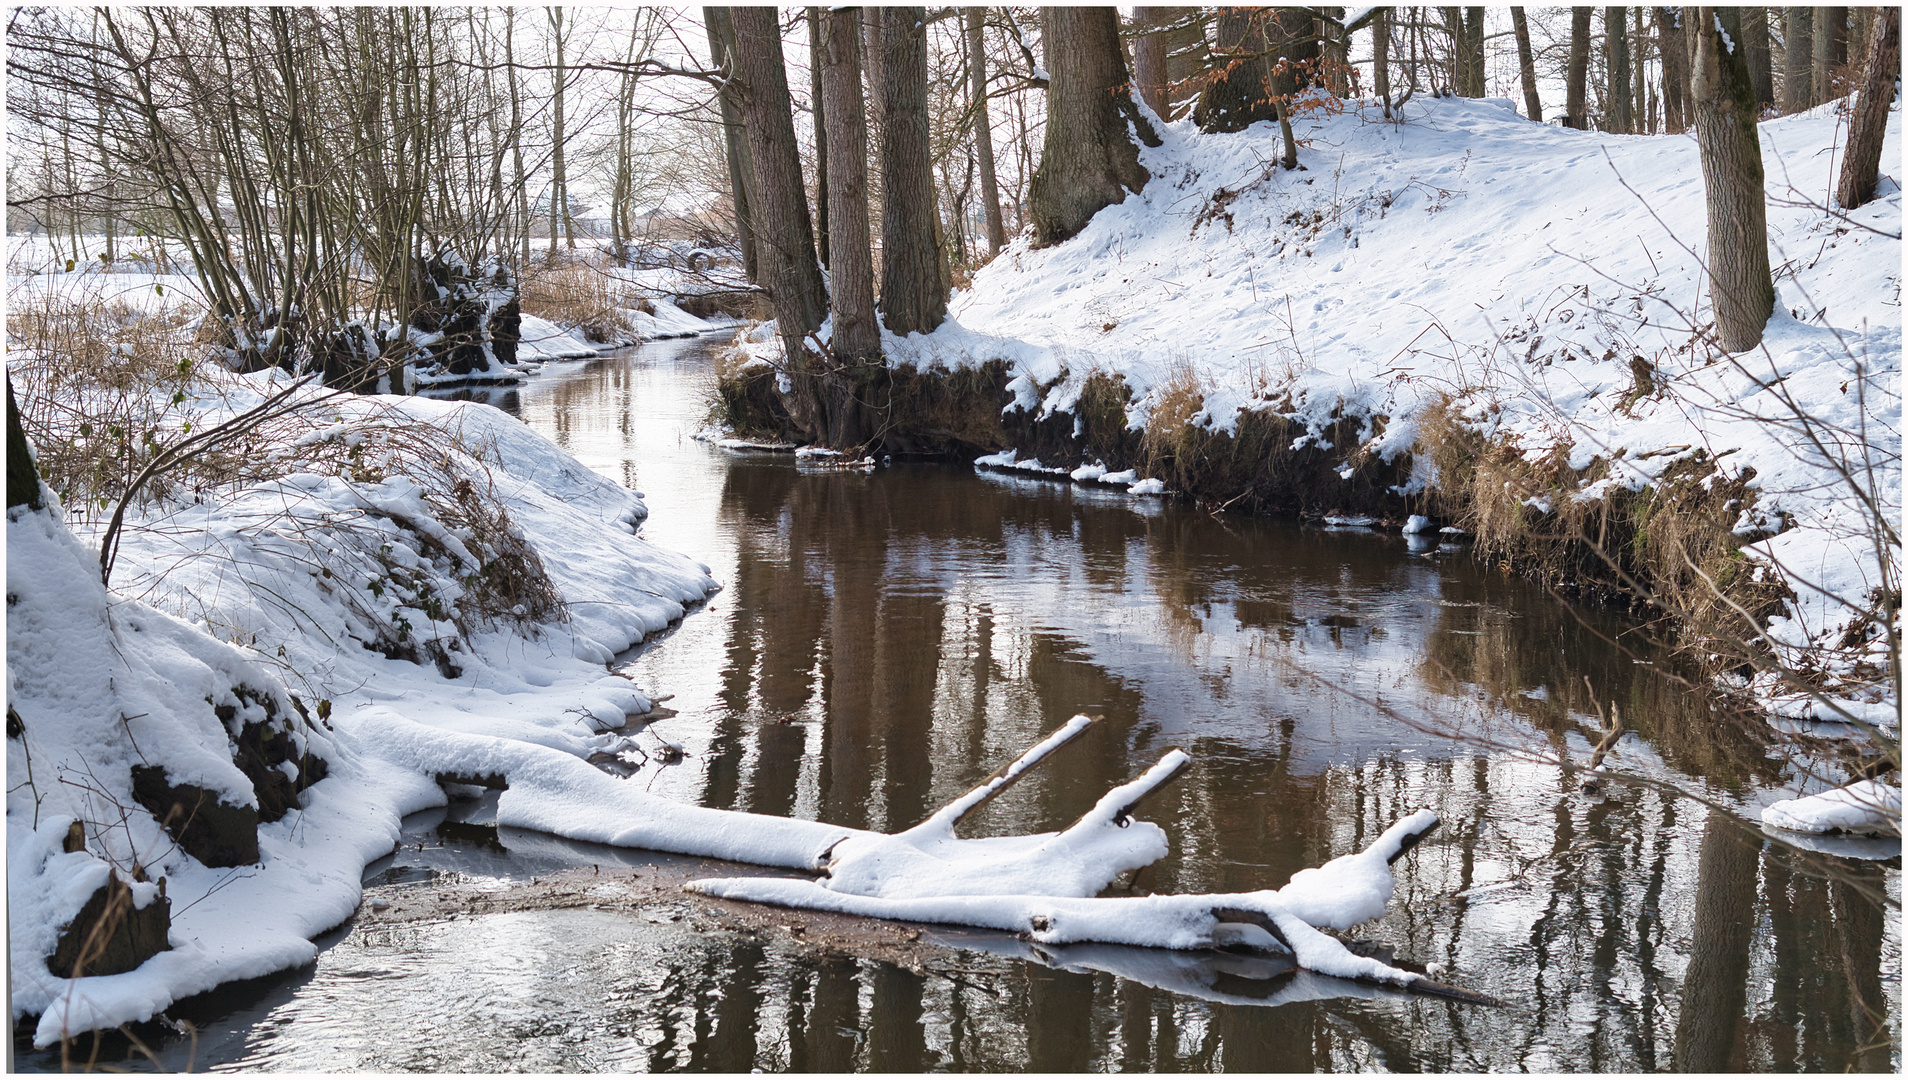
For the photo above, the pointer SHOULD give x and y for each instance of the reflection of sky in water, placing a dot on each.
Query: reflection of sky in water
(884, 640)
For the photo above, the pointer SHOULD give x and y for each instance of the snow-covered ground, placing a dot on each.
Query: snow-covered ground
(308, 570)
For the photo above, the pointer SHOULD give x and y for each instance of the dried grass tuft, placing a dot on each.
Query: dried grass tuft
(1169, 425)
(580, 295)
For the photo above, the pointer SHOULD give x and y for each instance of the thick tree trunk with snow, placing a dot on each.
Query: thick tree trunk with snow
(984, 128)
(1741, 290)
(914, 279)
(734, 137)
(857, 336)
(1616, 57)
(1088, 161)
(1576, 115)
(1527, 67)
(785, 240)
(1868, 122)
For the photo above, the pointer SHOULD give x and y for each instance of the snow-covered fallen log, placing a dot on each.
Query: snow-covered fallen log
(1044, 887)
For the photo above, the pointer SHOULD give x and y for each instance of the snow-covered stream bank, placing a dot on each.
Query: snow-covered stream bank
(883, 640)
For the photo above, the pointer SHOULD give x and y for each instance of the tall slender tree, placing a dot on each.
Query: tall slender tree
(1755, 38)
(1798, 64)
(1674, 48)
(785, 238)
(1576, 111)
(1526, 66)
(984, 127)
(735, 138)
(1830, 52)
(1868, 121)
(1089, 160)
(818, 111)
(1741, 291)
(914, 279)
(1616, 58)
(851, 294)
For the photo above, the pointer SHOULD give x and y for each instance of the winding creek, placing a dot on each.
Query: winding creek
(885, 639)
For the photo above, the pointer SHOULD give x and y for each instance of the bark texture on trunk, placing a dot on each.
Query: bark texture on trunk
(984, 129)
(1755, 36)
(1473, 70)
(785, 239)
(1576, 115)
(1830, 52)
(1868, 122)
(1149, 56)
(735, 139)
(1741, 291)
(1527, 67)
(819, 113)
(1088, 161)
(1798, 64)
(914, 278)
(857, 336)
(1381, 58)
(1616, 58)
(1246, 40)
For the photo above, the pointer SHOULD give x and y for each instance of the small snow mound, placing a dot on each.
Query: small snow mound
(1418, 523)
(1148, 486)
(1868, 807)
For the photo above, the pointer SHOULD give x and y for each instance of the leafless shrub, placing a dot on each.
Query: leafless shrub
(572, 293)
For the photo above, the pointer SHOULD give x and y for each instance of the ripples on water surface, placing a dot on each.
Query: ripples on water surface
(886, 639)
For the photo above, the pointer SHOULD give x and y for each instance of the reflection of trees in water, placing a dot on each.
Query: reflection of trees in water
(862, 609)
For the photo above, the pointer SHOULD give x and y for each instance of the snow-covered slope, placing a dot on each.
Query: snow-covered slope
(369, 575)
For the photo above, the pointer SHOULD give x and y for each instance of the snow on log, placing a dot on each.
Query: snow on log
(1084, 859)
(942, 822)
(1348, 890)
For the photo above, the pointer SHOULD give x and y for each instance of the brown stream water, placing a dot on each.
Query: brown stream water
(886, 639)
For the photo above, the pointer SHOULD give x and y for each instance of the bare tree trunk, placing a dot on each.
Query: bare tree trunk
(857, 336)
(1381, 57)
(1831, 51)
(1643, 103)
(1149, 57)
(1473, 52)
(818, 110)
(984, 126)
(735, 139)
(913, 267)
(1670, 42)
(1527, 67)
(1755, 36)
(1616, 57)
(1798, 65)
(1088, 161)
(1740, 288)
(516, 138)
(1868, 122)
(559, 198)
(785, 239)
(1575, 114)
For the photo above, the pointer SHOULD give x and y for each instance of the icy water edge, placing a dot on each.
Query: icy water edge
(885, 639)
